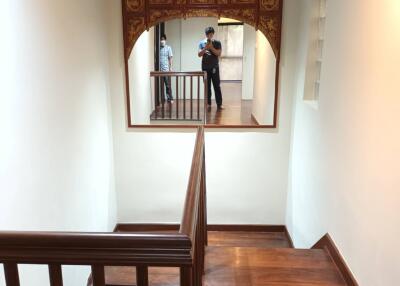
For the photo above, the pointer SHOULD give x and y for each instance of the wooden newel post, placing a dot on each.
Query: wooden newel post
(142, 276)
(186, 276)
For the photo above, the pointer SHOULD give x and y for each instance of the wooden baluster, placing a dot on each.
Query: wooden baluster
(201, 227)
(55, 273)
(177, 97)
(142, 276)
(156, 90)
(204, 192)
(162, 98)
(198, 97)
(170, 91)
(195, 261)
(186, 276)
(156, 95)
(11, 274)
(184, 97)
(202, 224)
(199, 258)
(205, 97)
(191, 97)
(98, 275)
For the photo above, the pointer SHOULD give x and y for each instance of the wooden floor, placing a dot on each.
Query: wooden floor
(247, 259)
(236, 112)
(248, 239)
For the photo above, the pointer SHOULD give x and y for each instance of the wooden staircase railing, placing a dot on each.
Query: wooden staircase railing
(194, 220)
(184, 249)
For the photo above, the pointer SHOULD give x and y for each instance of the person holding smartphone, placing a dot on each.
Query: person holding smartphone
(210, 51)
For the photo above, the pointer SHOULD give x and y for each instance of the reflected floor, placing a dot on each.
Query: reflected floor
(236, 112)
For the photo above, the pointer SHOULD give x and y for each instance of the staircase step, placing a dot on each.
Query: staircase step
(126, 276)
(248, 239)
(230, 266)
(250, 266)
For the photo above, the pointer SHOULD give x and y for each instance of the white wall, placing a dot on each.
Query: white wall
(192, 34)
(173, 31)
(140, 64)
(249, 40)
(264, 81)
(56, 164)
(249, 169)
(345, 176)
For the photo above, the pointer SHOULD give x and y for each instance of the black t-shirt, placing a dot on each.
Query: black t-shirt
(210, 60)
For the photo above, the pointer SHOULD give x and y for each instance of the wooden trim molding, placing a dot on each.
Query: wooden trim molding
(140, 15)
(144, 227)
(289, 238)
(329, 246)
(246, 227)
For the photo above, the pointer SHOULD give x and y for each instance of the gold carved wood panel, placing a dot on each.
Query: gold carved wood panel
(264, 15)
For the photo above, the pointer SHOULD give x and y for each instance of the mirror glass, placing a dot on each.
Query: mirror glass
(178, 75)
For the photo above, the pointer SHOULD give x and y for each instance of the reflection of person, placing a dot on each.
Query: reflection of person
(210, 50)
(166, 65)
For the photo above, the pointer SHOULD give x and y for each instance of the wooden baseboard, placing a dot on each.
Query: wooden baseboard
(289, 238)
(329, 246)
(246, 227)
(136, 227)
(145, 227)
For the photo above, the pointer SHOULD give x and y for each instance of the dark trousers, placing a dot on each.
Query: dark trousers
(165, 81)
(213, 76)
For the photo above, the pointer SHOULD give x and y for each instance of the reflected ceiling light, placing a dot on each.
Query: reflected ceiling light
(227, 20)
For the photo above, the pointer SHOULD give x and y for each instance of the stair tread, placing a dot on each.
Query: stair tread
(248, 239)
(230, 266)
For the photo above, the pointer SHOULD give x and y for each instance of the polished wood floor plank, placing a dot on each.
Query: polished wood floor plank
(126, 276)
(231, 266)
(236, 112)
(248, 239)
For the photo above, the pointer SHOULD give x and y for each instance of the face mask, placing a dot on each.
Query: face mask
(163, 42)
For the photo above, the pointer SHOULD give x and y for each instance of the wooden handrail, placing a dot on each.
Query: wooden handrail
(193, 189)
(151, 249)
(194, 221)
(183, 249)
(190, 73)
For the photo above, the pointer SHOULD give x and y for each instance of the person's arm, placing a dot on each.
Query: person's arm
(202, 50)
(170, 56)
(216, 51)
(170, 63)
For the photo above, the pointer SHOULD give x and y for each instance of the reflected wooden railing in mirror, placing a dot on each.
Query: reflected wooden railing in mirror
(178, 96)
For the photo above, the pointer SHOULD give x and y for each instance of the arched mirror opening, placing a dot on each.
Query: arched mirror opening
(173, 68)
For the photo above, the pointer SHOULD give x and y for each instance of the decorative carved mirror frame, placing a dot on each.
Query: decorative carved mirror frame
(263, 15)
